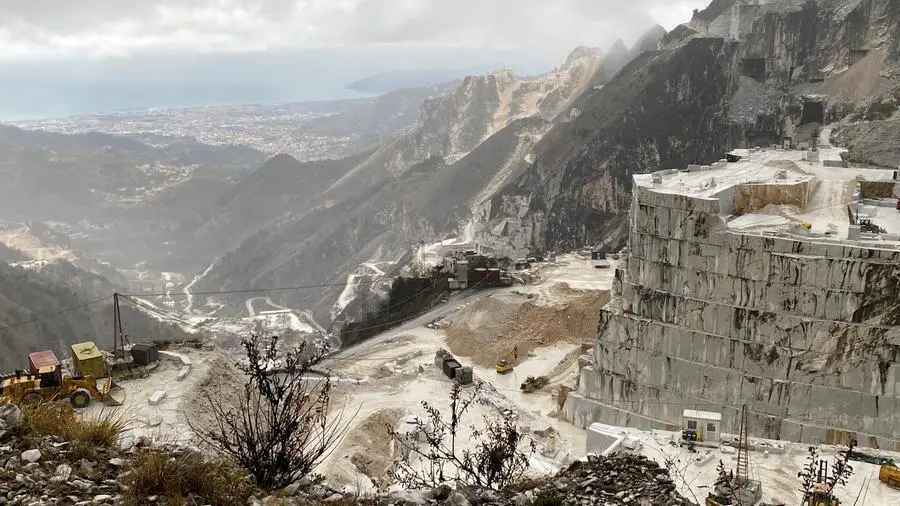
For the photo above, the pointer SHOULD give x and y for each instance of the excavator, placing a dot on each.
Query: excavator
(48, 383)
(504, 366)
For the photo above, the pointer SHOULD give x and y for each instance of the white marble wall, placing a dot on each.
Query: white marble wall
(711, 319)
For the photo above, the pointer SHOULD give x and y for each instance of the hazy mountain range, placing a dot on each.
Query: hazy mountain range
(516, 163)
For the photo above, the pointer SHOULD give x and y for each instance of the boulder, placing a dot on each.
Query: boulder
(33, 455)
(457, 499)
(157, 397)
(11, 416)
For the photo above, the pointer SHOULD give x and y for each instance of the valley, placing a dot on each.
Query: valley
(704, 220)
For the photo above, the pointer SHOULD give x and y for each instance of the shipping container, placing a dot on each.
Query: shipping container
(88, 360)
(440, 356)
(464, 375)
(40, 359)
(450, 367)
(145, 354)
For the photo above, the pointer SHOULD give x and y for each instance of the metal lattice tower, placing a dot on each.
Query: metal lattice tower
(743, 456)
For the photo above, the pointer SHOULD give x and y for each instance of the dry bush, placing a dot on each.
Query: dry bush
(496, 461)
(278, 428)
(86, 434)
(186, 479)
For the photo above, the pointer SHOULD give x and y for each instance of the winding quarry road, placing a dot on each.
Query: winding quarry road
(267, 300)
(187, 289)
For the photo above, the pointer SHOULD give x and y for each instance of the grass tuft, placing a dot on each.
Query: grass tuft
(47, 419)
(548, 498)
(100, 431)
(86, 434)
(188, 477)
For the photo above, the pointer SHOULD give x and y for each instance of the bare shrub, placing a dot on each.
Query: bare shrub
(815, 481)
(678, 469)
(433, 456)
(278, 427)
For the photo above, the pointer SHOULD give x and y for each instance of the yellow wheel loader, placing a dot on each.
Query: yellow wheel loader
(50, 384)
(889, 475)
(531, 384)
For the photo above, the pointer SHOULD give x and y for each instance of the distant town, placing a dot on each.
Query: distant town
(271, 129)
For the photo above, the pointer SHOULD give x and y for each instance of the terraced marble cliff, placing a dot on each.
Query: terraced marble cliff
(771, 281)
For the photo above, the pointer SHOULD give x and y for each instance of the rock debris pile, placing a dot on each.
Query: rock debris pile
(49, 473)
(50, 470)
(621, 479)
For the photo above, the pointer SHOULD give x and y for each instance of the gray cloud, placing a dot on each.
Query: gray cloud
(31, 29)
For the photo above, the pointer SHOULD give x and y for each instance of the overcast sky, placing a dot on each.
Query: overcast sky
(37, 29)
(63, 57)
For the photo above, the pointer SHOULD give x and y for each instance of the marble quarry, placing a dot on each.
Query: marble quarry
(753, 283)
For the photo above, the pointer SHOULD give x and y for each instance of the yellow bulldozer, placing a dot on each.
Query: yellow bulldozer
(531, 384)
(46, 382)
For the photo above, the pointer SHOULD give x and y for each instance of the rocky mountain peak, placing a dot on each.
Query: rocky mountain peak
(452, 125)
(748, 68)
(618, 48)
(582, 52)
(503, 75)
(649, 41)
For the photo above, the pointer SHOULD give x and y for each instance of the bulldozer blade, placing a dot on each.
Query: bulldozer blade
(104, 385)
(109, 400)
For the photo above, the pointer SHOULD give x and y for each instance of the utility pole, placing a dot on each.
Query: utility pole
(118, 333)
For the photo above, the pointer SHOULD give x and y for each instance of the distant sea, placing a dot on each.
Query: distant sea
(34, 90)
(42, 101)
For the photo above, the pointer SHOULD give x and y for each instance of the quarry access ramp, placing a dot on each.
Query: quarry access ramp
(454, 303)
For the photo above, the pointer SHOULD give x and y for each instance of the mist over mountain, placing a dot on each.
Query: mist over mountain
(399, 79)
(566, 144)
(318, 171)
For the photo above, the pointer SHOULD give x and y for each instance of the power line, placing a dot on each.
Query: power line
(158, 312)
(135, 299)
(378, 326)
(247, 290)
(281, 289)
(58, 313)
